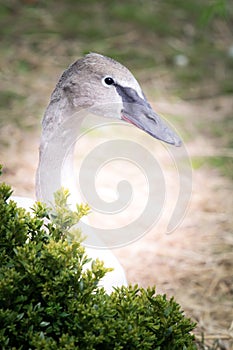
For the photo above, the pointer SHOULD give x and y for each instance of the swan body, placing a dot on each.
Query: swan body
(96, 85)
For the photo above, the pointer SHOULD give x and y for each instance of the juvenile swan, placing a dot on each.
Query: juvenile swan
(104, 87)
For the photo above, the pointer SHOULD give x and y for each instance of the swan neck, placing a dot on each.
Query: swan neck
(55, 170)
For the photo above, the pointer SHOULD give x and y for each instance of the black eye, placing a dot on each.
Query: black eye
(108, 81)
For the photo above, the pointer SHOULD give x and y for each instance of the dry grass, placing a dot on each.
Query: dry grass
(195, 263)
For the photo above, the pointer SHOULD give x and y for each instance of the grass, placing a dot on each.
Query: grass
(9, 97)
(222, 132)
(223, 163)
(159, 30)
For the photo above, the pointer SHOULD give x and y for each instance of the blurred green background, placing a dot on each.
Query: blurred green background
(177, 49)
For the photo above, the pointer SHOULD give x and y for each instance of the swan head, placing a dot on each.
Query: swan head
(107, 88)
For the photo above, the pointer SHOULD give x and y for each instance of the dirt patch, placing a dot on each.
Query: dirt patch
(195, 263)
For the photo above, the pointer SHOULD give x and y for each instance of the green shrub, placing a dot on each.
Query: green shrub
(50, 300)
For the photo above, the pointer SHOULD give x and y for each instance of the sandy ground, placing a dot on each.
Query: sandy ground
(194, 263)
